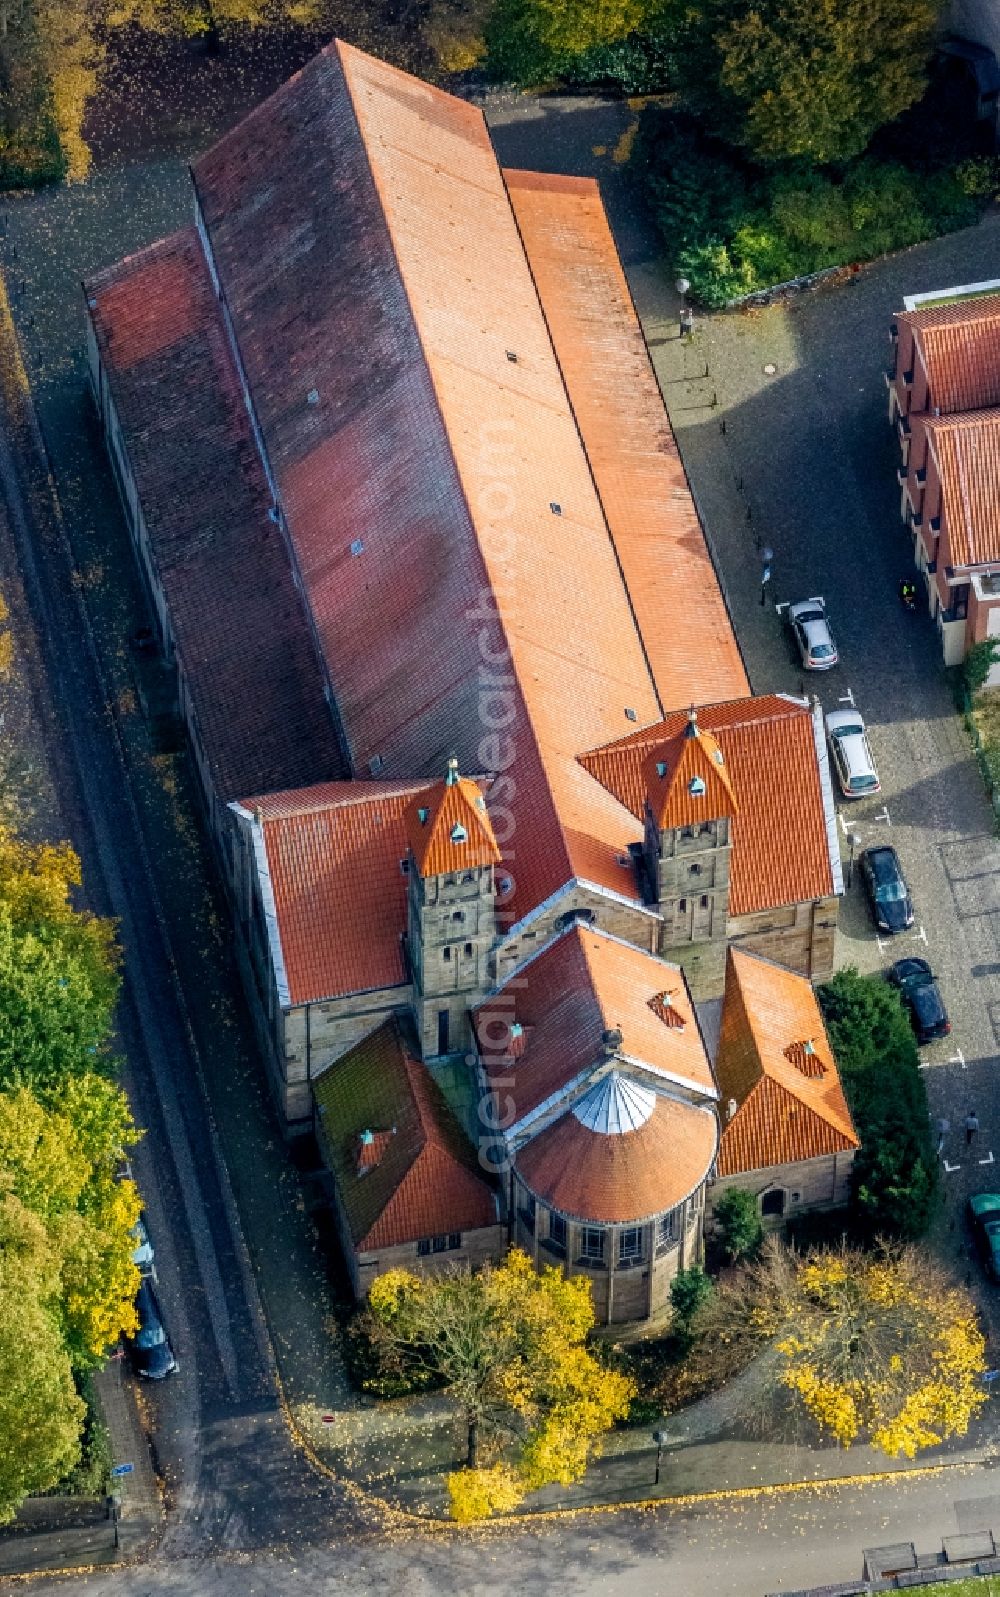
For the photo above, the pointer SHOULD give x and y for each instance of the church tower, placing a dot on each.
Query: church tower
(451, 910)
(689, 811)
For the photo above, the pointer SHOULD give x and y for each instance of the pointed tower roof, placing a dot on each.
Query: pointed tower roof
(686, 778)
(448, 826)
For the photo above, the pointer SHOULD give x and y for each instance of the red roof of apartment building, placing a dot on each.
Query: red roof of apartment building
(781, 841)
(583, 985)
(454, 551)
(967, 450)
(418, 1177)
(241, 633)
(776, 1065)
(959, 344)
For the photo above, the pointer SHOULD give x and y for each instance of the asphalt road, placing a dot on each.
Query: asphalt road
(233, 1477)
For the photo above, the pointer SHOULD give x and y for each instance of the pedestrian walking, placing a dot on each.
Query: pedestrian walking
(971, 1126)
(944, 1126)
(686, 320)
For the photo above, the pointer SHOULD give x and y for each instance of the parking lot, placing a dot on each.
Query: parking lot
(782, 419)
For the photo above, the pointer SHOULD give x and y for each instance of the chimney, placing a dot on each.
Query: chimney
(612, 1041)
(731, 1108)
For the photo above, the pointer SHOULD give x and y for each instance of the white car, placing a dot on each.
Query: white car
(851, 754)
(808, 622)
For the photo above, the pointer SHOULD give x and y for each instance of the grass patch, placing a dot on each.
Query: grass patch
(975, 1586)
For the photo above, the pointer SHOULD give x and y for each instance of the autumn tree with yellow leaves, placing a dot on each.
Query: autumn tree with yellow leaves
(510, 1346)
(881, 1347)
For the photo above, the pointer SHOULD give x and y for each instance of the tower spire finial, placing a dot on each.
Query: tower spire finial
(451, 775)
(692, 725)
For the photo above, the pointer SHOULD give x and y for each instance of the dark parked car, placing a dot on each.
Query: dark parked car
(921, 995)
(151, 1352)
(984, 1217)
(886, 887)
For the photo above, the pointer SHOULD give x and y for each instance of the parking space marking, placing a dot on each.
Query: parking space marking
(881, 946)
(957, 1058)
(919, 937)
(951, 1168)
(883, 815)
(848, 698)
(989, 1159)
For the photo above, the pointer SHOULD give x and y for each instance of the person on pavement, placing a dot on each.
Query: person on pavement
(971, 1126)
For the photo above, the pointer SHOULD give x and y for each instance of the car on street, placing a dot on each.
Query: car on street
(886, 887)
(920, 993)
(851, 754)
(142, 1253)
(811, 631)
(983, 1209)
(152, 1355)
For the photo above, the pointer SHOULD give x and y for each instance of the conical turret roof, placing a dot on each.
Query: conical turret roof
(614, 1105)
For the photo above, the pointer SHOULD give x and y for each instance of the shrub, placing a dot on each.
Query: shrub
(640, 64)
(979, 176)
(977, 665)
(689, 1291)
(738, 1219)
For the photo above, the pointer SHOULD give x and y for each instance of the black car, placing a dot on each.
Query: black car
(151, 1352)
(921, 995)
(886, 887)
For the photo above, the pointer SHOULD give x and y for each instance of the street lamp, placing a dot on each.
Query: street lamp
(661, 1439)
(853, 839)
(686, 315)
(766, 557)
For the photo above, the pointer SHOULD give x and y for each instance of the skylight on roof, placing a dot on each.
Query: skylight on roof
(422, 815)
(661, 768)
(459, 834)
(696, 787)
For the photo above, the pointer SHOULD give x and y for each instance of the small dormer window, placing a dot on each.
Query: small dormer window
(459, 834)
(423, 815)
(696, 787)
(718, 757)
(661, 769)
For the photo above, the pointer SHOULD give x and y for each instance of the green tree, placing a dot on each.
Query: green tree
(41, 1414)
(895, 1171)
(738, 1218)
(509, 1345)
(531, 40)
(58, 969)
(690, 1290)
(808, 79)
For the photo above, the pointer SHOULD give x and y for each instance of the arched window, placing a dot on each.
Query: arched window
(773, 1203)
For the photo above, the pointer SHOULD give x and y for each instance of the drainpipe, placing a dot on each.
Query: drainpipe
(309, 1074)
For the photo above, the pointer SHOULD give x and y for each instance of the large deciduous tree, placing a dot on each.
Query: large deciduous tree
(808, 79)
(40, 1412)
(58, 969)
(882, 1347)
(509, 1344)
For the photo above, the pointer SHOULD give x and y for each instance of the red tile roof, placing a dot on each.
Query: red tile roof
(967, 449)
(438, 495)
(621, 1177)
(241, 632)
(428, 1181)
(629, 441)
(334, 854)
(448, 827)
(686, 779)
(580, 986)
(960, 345)
(780, 838)
(785, 1113)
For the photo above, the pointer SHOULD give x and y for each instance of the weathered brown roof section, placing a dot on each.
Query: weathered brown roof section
(960, 346)
(241, 632)
(377, 282)
(427, 1181)
(334, 854)
(578, 987)
(784, 1113)
(625, 1177)
(630, 444)
(967, 449)
(780, 842)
